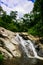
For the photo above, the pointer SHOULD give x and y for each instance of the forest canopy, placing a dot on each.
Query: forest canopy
(31, 23)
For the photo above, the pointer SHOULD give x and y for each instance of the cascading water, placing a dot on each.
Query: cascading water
(28, 47)
(22, 42)
(31, 46)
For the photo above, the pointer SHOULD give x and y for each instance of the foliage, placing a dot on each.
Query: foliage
(37, 29)
(1, 57)
(31, 23)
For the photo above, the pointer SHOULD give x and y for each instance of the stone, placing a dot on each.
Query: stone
(8, 45)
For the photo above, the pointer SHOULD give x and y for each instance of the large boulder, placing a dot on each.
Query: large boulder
(9, 47)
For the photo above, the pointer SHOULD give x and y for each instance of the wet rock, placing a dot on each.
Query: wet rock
(40, 53)
(39, 49)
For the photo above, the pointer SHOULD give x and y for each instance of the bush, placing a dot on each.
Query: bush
(36, 30)
(1, 58)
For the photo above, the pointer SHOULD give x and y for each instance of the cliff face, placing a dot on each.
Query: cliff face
(9, 47)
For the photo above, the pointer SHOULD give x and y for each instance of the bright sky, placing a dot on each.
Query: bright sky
(22, 6)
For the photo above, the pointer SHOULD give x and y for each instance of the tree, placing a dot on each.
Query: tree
(38, 18)
(1, 11)
(13, 14)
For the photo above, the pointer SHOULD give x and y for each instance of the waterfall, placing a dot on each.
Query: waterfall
(28, 47)
(32, 47)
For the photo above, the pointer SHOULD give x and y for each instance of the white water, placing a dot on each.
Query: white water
(33, 48)
(28, 47)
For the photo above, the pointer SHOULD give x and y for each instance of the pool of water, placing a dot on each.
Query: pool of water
(22, 61)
